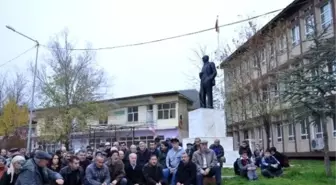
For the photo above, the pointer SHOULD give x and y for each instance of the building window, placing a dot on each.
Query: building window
(260, 133)
(295, 35)
(132, 114)
(150, 115)
(326, 16)
(103, 121)
(304, 128)
(282, 43)
(167, 111)
(279, 132)
(309, 25)
(291, 135)
(334, 125)
(246, 135)
(252, 134)
(318, 128)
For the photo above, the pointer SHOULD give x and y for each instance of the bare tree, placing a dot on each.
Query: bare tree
(69, 85)
(16, 89)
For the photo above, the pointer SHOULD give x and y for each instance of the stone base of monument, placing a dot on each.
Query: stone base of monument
(209, 124)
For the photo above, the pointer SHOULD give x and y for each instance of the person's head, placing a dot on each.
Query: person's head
(123, 146)
(175, 143)
(55, 160)
(3, 152)
(2, 162)
(114, 155)
(142, 146)
(197, 141)
(63, 149)
(157, 140)
(89, 153)
(203, 145)
(153, 160)
(81, 155)
(217, 142)
(133, 148)
(267, 153)
(116, 144)
(133, 158)
(164, 146)
(107, 145)
(244, 155)
(114, 149)
(74, 162)
(244, 144)
(152, 146)
(42, 158)
(205, 58)
(99, 160)
(185, 157)
(189, 146)
(273, 150)
(17, 162)
(23, 151)
(121, 155)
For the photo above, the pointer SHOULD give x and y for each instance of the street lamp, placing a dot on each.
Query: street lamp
(33, 91)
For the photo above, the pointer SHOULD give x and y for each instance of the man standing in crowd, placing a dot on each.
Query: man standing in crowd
(196, 145)
(89, 154)
(173, 160)
(35, 171)
(117, 169)
(83, 161)
(152, 172)
(134, 172)
(206, 162)
(122, 157)
(73, 174)
(143, 154)
(4, 153)
(123, 147)
(219, 151)
(186, 171)
(163, 154)
(97, 173)
(116, 144)
(153, 149)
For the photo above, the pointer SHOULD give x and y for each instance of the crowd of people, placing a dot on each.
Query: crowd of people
(162, 162)
(271, 162)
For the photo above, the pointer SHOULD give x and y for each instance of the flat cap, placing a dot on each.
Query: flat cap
(39, 154)
(189, 144)
(174, 140)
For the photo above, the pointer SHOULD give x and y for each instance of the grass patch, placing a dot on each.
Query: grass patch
(301, 173)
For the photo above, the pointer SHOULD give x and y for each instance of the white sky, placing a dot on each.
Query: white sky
(133, 70)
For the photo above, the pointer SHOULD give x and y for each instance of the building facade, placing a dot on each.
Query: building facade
(137, 118)
(301, 18)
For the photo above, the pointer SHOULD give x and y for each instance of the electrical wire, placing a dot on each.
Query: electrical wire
(172, 37)
(18, 56)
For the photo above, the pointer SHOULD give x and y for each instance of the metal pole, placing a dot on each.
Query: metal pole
(32, 101)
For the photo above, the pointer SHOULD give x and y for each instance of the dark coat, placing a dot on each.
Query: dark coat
(72, 177)
(117, 170)
(282, 159)
(186, 173)
(143, 157)
(6, 178)
(218, 149)
(31, 174)
(162, 158)
(246, 149)
(134, 176)
(152, 174)
(84, 164)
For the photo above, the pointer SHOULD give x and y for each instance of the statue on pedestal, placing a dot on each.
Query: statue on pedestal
(207, 76)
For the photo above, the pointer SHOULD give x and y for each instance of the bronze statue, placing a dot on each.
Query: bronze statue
(207, 76)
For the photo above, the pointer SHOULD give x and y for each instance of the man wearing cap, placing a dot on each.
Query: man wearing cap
(206, 162)
(173, 159)
(35, 171)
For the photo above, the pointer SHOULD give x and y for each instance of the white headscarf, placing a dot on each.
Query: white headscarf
(11, 170)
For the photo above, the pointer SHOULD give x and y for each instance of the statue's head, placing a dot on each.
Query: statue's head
(205, 58)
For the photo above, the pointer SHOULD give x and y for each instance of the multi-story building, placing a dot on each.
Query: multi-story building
(299, 19)
(137, 118)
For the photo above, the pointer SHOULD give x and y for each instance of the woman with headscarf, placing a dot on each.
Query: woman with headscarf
(9, 177)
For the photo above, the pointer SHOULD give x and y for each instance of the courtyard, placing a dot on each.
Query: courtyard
(303, 172)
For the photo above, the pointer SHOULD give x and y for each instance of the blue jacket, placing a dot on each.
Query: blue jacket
(174, 157)
(31, 175)
(97, 176)
(218, 149)
(267, 161)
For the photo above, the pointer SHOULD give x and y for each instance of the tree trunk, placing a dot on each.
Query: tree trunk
(327, 165)
(267, 130)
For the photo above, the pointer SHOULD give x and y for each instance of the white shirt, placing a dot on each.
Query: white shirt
(205, 165)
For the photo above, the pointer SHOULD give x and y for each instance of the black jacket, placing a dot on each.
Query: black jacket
(246, 149)
(85, 164)
(72, 177)
(143, 157)
(152, 174)
(186, 173)
(134, 176)
(6, 178)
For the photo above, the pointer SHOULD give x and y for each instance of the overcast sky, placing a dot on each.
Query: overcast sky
(132, 70)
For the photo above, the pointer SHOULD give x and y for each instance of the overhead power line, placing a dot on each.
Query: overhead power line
(18, 56)
(172, 37)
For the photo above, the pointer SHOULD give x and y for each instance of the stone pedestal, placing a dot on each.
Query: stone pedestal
(209, 124)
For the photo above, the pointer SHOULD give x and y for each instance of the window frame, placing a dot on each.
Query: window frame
(279, 131)
(309, 29)
(304, 132)
(334, 125)
(327, 23)
(161, 111)
(318, 134)
(295, 32)
(291, 136)
(134, 111)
